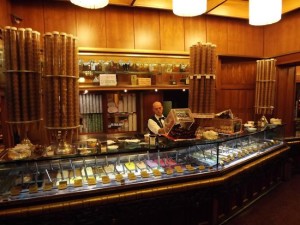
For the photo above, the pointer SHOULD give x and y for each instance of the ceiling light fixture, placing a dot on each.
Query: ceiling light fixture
(264, 12)
(189, 7)
(91, 4)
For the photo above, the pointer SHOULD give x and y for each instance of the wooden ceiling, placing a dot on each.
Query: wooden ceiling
(226, 8)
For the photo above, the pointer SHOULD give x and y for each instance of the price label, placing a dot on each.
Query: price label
(178, 169)
(33, 188)
(119, 177)
(201, 167)
(189, 167)
(131, 176)
(15, 190)
(47, 186)
(169, 171)
(156, 172)
(91, 180)
(77, 182)
(62, 185)
(105, 179)
(144, 174)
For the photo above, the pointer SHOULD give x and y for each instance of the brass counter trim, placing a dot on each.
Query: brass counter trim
(138, 194)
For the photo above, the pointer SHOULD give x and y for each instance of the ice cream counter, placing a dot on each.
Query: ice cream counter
(137, 179)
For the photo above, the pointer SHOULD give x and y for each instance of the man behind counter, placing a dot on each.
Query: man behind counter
(156, 122)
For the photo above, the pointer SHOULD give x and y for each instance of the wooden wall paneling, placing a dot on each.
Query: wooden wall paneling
(272, 36)
(5, 13)
(60, 16)
(91, 27)
(119, 27)
(282, 37)
(171, 32)
(241, 102)
(238, 75)
(31, 12)
(217, 33)
(297, 74)
(244, 108)
(285, 98)
(244, 39)
(194, 31)
(236, 86)
(146, 29)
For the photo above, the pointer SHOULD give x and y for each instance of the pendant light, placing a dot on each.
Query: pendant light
(91, 4)
(264, 12)
(189, 7)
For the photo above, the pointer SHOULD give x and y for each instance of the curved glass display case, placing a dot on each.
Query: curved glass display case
(96, 167)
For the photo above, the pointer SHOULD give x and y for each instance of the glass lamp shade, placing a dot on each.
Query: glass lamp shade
(91, 4)
(264, 12)
(189, 8)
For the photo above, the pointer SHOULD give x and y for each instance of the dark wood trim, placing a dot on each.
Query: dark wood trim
(288, 59)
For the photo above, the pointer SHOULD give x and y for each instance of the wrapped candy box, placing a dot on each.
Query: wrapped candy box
(178, 124)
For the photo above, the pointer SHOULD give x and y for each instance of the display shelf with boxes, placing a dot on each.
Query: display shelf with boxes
(102, 166)
(112, 71)
(126, 81)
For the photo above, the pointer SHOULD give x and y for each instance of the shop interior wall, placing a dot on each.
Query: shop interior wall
(286, 91)
(283, 37)
(149, 29)
(4, 13)
(140, 28)
(281, 40)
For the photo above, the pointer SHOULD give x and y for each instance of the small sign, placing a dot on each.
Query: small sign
(201, 167)
(91, 180)
(156, 173)
(169, 171)
(131, 176)
(178, 169)
(144, 174)
(108, 79)
(33, 188)
(62, 185)
(190, 167)
(105, 179)
(47, 186)
(77, 182)
(144, 81)
(15, 190)
(119, 177)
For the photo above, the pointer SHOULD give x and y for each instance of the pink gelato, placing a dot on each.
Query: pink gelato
(151, 164)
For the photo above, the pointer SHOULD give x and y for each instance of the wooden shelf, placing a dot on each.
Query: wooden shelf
(91, 87)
